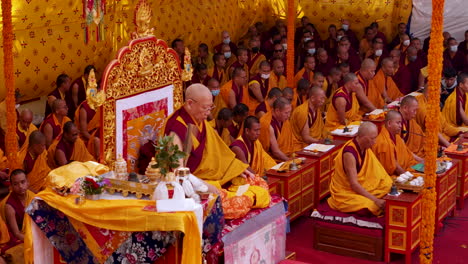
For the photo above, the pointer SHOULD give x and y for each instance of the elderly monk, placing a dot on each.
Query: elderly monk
(25, 127)
(68, 147)
(259, 85)
(306, 120)
(226, 40)
(411, 132)
(276, 133)
(235, 91)
(266, 105)
(33, 160)
(53, 124)
(218, 72)
(249, 150)
(242, 60)
(209, 158)
(359, 181)
(277, 78)
(63, 86)
(218, 102)
(372, 94)
(390, 148)
(344, 104)
(222, 123)
(88, 120)
(307, 72)
(456, 106)
(383, 81)
(402, 76)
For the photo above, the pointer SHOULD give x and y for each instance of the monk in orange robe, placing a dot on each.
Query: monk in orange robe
(25, 127)
(306, 120)
(333, 80)
(383, 81)
(209, 158)
(277, 78)
(456, 106)
(259, 85)
(218, 102)
(411, 132)
(371, 93)
(222, 123)
(239, 113)
(266, 106)
(235, 91)
(242, 60)
(344, 105)
(276, 133)
(33, 160)
(359, 180)
(63, 83)
(88, 120)
(255, 56)
(218, 71)
(53, 124)
(307, 72)
(249, 150)
(229, 55)
(390, 148)
(68, 147)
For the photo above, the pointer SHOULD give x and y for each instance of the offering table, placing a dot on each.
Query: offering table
(297, 186)
(462, 178)
(446, 187)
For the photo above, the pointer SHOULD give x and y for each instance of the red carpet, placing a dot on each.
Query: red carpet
(451, 244)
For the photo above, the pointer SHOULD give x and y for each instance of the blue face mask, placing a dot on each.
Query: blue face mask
(215, 92)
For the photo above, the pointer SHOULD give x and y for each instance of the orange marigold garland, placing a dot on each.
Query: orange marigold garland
(432, 125)
(11, 142)
(291, 15)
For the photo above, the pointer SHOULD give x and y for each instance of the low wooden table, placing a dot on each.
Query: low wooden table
(297, 186)
(446, 187)
(462, 178)
(325, 169)
(402, 224)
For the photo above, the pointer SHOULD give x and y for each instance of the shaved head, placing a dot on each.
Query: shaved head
(392, 115)
(196, 91)
(367, 64)
(366, 128)
(407, 100)
(198, 101)
(26, 117)
(349, 77)
(26, 113)
(36, 137)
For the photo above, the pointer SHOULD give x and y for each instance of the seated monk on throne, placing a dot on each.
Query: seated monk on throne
(210, 159)
(359, 181)
(390, 148)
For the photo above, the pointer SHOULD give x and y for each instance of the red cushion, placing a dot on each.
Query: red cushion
(350, 228)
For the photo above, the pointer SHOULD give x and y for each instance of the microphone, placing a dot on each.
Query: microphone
(408, 132)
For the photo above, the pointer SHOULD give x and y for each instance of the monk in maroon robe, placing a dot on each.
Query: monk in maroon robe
(226, 39)
(52, 125)
(63, 86)
(77, 91)
(324, 62)
(201, 74)
(453, 57)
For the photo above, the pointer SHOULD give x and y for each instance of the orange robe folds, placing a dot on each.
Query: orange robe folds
(351, 111)
(258, 159)
(241, 93)
(414, 137)
(23, 135)
(371, 176)
(279, 82)
(451, 108)
(78, 153)
(390, 150)
(218, 104)
(219, 75)
(94, 124)
(372, 91)
(381, 82)
(300, 116)
(38, 173)
(287, 142)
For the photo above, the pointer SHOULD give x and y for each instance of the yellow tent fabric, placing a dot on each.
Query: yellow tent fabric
(49, 38)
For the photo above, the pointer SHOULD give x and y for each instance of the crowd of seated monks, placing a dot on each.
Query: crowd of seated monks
(242, 117)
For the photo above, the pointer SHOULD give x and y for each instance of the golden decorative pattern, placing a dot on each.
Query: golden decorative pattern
(128, 187)
(398, 216)
(397, 240)
(144, 65)
(143, 15)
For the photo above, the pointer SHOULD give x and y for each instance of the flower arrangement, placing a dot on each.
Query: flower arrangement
(89, 185)
(167, 155)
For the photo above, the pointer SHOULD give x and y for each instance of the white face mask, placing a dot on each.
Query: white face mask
(227, 55)
(345, 27)
(339, 37)
(265, 76)
(285, 46)
(454, 48)
(378, 53)
(311, 51)
(406, 42)
(306, 39)
(226, 40)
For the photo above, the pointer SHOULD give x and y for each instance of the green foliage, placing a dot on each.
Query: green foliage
(167, 155)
